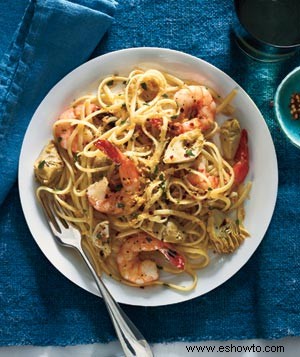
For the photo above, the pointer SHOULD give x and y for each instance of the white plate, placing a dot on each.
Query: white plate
(259, 208)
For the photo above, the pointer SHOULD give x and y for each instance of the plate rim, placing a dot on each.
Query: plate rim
(183, 297)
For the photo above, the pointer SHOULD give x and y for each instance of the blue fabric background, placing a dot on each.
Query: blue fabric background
(39, 306)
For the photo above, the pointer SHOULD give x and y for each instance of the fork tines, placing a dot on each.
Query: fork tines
(52, 209)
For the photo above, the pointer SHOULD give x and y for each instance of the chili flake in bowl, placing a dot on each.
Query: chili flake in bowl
(287, 106)
(295, 106)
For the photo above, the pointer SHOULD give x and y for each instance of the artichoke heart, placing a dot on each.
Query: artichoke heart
(230, 135)
(184, 147)
(168, 232)
(49, 165)
(225, 234)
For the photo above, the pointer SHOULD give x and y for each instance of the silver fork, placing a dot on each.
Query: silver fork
(132, 341)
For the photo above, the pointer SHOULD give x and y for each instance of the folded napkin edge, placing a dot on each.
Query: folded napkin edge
(17, 66)
(63, 4)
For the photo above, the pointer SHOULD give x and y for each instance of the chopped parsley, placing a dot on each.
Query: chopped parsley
(162, 185)
(189, 153)
(165, 95)
(76, 157)
(110, 83)
(41, 164)
(120, 205)
(174, 116)
(154, 172)
(118, 187)
(144, 85)
(237, 222)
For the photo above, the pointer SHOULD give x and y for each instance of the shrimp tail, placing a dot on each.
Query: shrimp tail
(110, 150)
(173, 257)
(241, 166)
(128, 171)
(242, 152)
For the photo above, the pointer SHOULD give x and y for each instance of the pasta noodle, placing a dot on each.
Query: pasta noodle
(141, 159)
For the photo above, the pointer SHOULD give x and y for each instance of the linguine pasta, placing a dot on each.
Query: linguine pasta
(186, 193)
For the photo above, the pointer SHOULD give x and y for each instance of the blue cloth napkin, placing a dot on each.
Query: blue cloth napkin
(37, 304)
(54, 37)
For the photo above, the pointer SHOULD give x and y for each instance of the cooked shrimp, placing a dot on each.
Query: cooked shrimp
(203, 180)
(198, 106)
(138, 271)
(64, 130)
(241, 166)
(99, 194)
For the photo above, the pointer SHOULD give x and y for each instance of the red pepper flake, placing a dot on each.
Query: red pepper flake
(295, 106)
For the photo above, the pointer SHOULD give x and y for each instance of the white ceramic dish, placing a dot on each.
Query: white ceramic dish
(259, 208)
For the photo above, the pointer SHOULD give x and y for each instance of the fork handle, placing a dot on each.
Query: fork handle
(132, 341)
